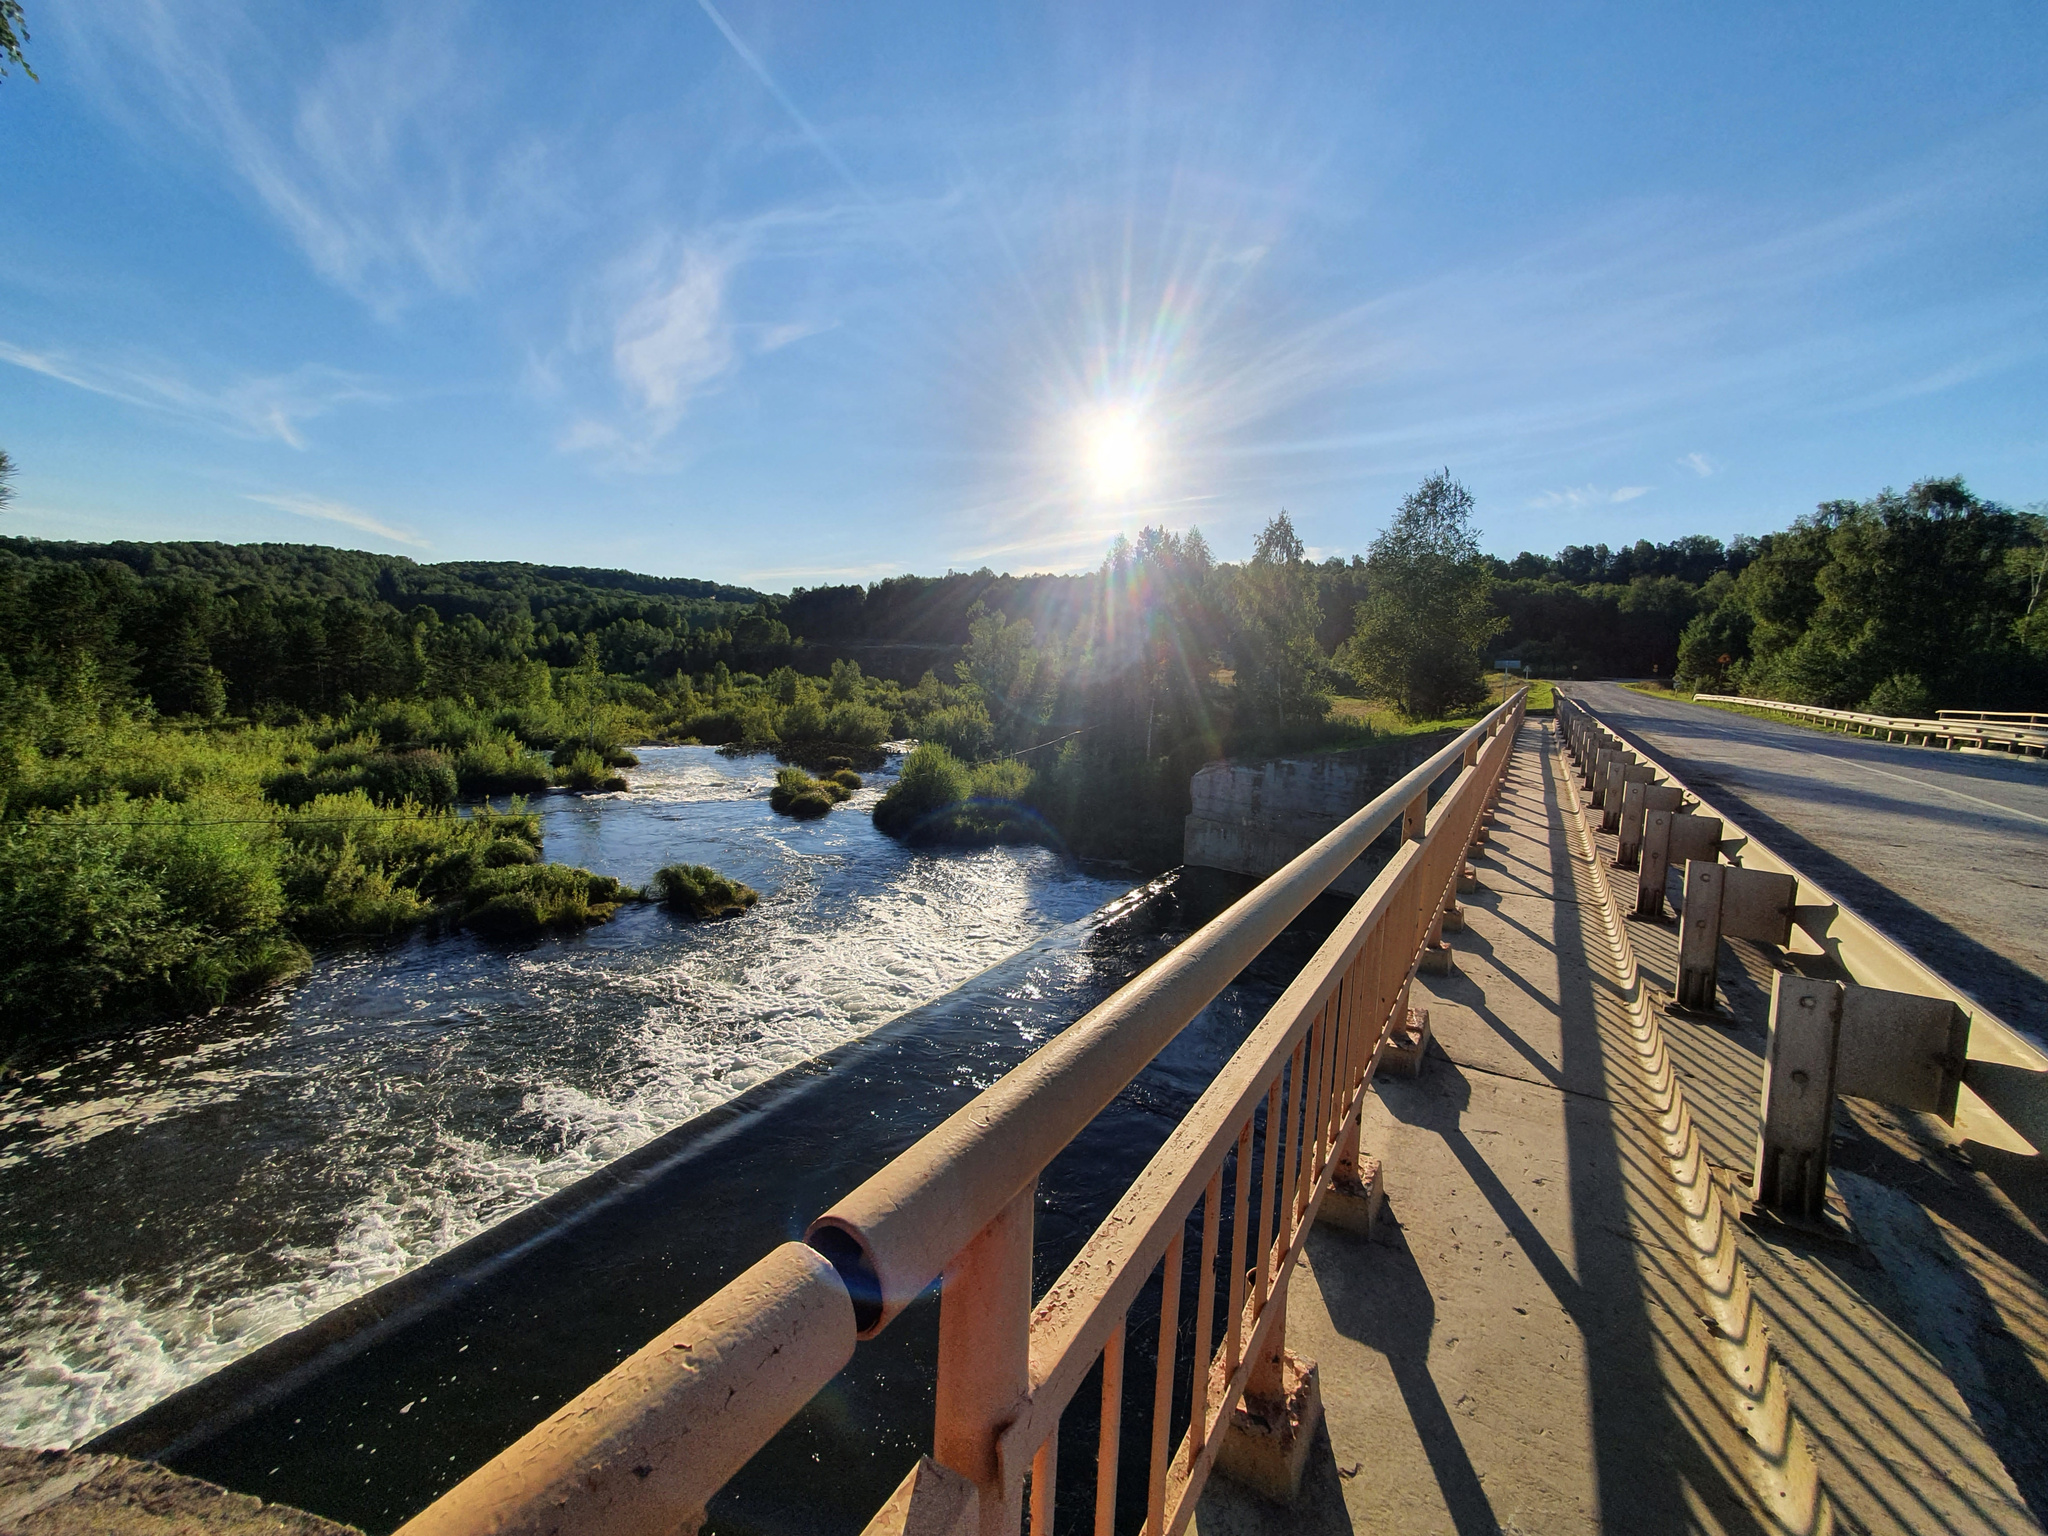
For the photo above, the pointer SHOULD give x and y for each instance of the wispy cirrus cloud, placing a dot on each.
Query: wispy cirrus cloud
(378, 153)
(1699, 464)
(1576, 496)
(266, 406)
(665, 330)
(338, 512)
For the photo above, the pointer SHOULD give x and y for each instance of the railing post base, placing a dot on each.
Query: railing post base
(931, 1501)
(1265, 1445)
(1407, 1043)
(1355, 1197)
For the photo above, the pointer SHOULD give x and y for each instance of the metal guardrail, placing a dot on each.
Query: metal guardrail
(645, 1448)
(1952, 728)
(1995, 717)
(1998, 1092)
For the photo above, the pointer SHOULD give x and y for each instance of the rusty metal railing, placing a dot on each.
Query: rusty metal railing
(645, 1448)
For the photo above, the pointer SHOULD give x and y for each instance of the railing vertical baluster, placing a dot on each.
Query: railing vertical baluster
(1347, 1041)
(1309, 1135)
(1340, 1048)
(1108, 1442)
(1267, 1172)
(1205, 1311)
(1045, 1469)
(1162, 1383)
(1283, 1187)
(1234, 1336)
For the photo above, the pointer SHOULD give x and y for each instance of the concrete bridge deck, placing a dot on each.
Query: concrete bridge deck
(1546, 1334)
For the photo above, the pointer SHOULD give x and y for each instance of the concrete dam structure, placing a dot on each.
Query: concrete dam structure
(1252, 818)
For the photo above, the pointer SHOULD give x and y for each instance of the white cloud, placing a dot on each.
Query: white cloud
(378, 153)
(1577, 496)
(339, 512)
(273, 406)
(675, 340)
(663, 320)
(1699, 464)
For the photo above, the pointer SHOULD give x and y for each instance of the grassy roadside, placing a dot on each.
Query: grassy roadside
(1382, 720)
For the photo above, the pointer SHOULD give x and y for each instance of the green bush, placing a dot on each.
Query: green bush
(584, 770)
(797, 794)
(845, 778)
(701, 892)
(419, 776)
(1903, 693)
(500, 765)
(129, 905)
(939, 799)
(525, 899)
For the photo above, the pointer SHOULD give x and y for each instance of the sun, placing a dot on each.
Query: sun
(1117, 452)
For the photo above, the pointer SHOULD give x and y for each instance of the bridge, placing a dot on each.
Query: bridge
(1603, 1169)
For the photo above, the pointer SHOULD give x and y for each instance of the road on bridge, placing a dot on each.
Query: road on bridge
(1947, 852)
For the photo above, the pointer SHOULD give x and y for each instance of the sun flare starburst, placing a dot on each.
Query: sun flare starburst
(1117, 452)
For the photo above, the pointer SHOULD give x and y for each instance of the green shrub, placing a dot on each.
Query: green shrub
(585, 770)
(420, 776)
(1903, 693)
(1009, 779)
(845, 778)
(129, 905)
(526, 899)
(701, 892)
(797, 794)
(930, 780)
(500, 765)
(600, 744)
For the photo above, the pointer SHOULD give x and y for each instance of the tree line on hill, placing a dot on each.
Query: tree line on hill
(261, 746)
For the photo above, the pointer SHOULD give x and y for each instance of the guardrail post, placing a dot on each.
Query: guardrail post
(1654, 864)
(985, 1359)
(1699, 935)
(1638, 800)
(1799, 1097)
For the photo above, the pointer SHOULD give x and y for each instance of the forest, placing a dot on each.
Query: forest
(214, 756)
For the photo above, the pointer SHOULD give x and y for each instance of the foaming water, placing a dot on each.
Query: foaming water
(174, 1198)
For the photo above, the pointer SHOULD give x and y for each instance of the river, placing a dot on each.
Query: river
(173, 1198)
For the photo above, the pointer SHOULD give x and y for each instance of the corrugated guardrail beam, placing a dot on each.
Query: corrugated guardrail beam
(2017, 733)
(2004, 1091)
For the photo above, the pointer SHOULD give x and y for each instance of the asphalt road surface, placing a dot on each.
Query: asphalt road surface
(1947, 852)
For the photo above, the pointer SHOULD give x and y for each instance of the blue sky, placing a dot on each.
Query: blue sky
(802, 292)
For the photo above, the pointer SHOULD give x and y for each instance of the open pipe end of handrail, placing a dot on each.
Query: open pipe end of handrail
(847, 1252)
(642, 1451)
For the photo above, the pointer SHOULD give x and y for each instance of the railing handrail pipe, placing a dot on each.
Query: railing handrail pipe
(894, 1235)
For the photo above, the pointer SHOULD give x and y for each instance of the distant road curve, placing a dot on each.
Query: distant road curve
(1947, 852)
